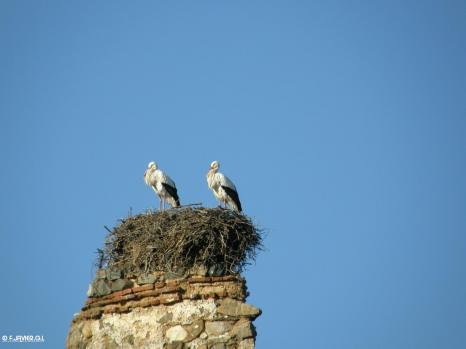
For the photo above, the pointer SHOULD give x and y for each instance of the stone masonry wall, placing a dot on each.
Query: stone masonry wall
(164, 311)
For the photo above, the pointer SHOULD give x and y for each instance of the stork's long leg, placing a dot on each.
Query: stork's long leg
(160, 204)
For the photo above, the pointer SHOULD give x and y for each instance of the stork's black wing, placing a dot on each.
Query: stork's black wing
(173, 193)
(233, 194)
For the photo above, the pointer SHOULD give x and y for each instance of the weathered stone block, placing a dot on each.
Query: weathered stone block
(101, 287)
(113, 274)
(233, 307)
(174, 345)
(194, 329)
(101, 274)
(146, 279)
(246, 344)
(243, 329)
(176, 334)
(120, 284)
(179, 274)
(217, 328)
(199, 270)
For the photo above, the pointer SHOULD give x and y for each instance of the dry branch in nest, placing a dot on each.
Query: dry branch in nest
(181, 239)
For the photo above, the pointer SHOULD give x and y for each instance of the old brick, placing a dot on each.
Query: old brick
(216, 278)
(170, 289)
(212, 291)
(148, 293)
(154, 302)
(147, 302)
(142, 288)
(199, 279)
(231, 278)
(111, 308)
(235, 291)
(159, 284)
(91, 300)
(159, 291)
(102, 303)
(124, 308)
(121, 293)
(169, 298)
(172, 283)
(128, 297)
(92, 313)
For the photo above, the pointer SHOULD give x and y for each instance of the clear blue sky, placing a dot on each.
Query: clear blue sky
(342, 123)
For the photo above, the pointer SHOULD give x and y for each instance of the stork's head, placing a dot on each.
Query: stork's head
(214, 165)
(151, 167)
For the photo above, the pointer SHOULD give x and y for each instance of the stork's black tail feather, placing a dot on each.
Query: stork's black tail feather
(233, 194)
(173, 193)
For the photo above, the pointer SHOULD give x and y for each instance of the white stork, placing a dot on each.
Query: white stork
(163, 186)
(222, 187)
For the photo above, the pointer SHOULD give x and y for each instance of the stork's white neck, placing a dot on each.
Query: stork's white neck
(148, 175)
(210, 176)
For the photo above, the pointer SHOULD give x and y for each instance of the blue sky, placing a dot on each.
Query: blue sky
(342, 124)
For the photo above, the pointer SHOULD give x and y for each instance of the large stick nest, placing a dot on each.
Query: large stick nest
(181, 239)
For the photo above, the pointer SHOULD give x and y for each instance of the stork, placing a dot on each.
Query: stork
(162, 185)
(223, 188)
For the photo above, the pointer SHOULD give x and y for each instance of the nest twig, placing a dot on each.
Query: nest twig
(181, 239)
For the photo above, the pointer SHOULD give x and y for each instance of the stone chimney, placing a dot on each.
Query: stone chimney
(164, 311)
(201, 308)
